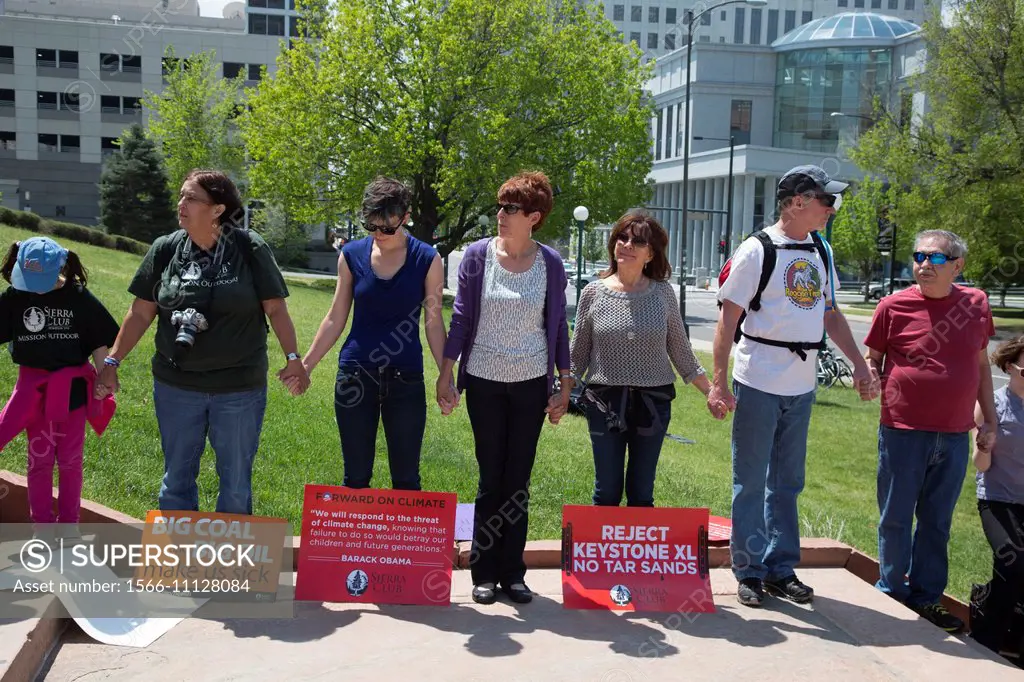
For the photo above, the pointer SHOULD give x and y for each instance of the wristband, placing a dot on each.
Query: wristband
(112, 361)
(292, 356)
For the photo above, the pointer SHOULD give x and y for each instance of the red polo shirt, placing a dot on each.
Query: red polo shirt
(931, 345)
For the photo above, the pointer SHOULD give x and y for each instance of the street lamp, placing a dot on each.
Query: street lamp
(686, 145)
(580, 213)
(483, 221)
(728, 199)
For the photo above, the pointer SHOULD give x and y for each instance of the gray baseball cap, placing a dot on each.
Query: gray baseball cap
(808, 179)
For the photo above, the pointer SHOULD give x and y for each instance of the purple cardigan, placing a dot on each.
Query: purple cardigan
(466, 311)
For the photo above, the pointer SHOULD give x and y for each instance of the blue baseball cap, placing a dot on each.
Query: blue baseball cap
(40, 260)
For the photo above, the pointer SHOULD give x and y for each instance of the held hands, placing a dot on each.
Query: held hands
(446, 394)
(106, 382)
(986, 438)
(720, 401)
(295, 377)
(867, 381)
(558, 404)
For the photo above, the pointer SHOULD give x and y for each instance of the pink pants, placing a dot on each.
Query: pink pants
(59, 442)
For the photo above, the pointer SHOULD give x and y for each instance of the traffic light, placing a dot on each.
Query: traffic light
(721, 246)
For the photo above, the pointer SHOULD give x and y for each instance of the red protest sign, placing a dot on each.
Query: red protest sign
(635, 559)
(376, 546)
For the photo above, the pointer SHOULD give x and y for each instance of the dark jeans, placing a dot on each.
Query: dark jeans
(362, 399)
(1003, 524)
(646, 426)
(920, 473)
(506, 420)
(232, 421)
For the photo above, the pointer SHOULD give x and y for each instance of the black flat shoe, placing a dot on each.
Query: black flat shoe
(518, 592)
(484, 593)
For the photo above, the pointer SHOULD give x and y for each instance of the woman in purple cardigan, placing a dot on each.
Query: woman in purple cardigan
(508, 327)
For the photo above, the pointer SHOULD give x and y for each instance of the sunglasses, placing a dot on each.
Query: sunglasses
(827, 199)
(1020, 370)
(935, 258)
(384, 229)
(512, 209)
(638, 242)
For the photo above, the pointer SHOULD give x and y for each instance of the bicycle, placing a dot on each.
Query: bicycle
(833, 369)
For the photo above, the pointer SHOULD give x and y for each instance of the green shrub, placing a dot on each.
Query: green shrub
(71, 231)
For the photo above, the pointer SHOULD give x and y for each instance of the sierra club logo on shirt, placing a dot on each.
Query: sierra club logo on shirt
(57, 322)
(192, 275)
(803, 283)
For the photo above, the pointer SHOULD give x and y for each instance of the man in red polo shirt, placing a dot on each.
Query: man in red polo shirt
(928, 343)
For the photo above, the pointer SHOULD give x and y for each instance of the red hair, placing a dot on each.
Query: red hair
(532, 191)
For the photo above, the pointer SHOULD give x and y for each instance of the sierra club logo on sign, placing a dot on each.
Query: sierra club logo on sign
(635, 559)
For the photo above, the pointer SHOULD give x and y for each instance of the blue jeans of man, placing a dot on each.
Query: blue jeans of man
(919, 473)
(233, 422)
(644, 446)
(769, 450)
(363, 398)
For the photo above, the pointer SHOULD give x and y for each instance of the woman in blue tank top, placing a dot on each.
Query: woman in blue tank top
(1000, 486)
(386, 279)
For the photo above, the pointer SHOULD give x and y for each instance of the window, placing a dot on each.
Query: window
(908, 4)
(67, 59)
(894, 4)
(670, 15)
(69, 102)
(755, 26)
(704, 38)
(636, 13)
(60, 211)
(723, 15)
(8, 140)
(652, 41)
(70, 143)
(619, 13)
(652, 14)
(257, 3)
(254, 72)
(705, 19)
(46, 58)
(790, 20)
(634, 37)
(773, 25)
(275, 4)
(275, 25)
(258, 24)
(293, 28)
(737, 28)
(858, 3)
(110, 62)
(131, 64)
(668, 136)
(876, 4)
(132, 105)
(47, 143)
(6, 54)
(110, 104)
(659, 136)
(46, 100)
(842, 3)
(721, 39)
(6, 97)
(169, 65)
(806, 17)
(108, 145)
(232, 69)
(739, 121)
(670, 41)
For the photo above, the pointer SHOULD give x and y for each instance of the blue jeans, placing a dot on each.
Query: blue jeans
(362, 399)
(769, 449)
(919, 472)
(610, 456)
(232, 421)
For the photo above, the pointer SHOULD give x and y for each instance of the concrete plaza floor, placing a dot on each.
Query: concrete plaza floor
(852, 632)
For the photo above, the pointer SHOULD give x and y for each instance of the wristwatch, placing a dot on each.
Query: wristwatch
(292, 356)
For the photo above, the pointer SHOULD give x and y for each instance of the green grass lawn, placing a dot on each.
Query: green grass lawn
(300, 445)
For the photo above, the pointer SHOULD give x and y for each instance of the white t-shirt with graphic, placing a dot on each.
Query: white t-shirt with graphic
(792, 309)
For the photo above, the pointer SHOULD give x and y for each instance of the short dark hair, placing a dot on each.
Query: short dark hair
(386, 197)
(645, 226)
(1008, 352)
(531, 190)
(222, 190)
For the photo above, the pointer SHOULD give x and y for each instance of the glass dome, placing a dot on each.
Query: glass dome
(859, 27)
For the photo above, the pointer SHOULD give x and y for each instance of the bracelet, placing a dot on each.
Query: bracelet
(111, 361)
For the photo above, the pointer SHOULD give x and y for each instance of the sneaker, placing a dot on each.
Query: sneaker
(750, 592)
(789, 588)
(937, 615)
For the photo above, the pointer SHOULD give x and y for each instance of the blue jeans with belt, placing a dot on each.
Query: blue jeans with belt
(232, 421)
(363, 398)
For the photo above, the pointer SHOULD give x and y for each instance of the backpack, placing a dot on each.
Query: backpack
(767, 267)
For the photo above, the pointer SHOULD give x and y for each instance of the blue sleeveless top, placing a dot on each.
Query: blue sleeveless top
(385, 330)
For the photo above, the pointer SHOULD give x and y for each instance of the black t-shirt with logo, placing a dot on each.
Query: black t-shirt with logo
(227, 287)
(58, 329)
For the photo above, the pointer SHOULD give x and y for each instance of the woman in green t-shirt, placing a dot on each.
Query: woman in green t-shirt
(211, 286)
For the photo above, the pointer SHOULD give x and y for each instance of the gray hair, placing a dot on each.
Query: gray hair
(957, 246)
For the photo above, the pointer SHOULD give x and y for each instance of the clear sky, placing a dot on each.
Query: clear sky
(212, 8)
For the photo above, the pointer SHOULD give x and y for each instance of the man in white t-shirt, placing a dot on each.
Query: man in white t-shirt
(774, 379)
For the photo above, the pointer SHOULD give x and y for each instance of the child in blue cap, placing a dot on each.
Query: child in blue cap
(54, 324)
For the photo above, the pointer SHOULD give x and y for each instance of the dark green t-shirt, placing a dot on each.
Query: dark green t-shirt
(225, 285)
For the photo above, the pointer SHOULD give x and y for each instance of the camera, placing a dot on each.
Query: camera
(189, 323)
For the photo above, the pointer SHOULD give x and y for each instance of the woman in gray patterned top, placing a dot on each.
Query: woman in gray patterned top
(628, 335)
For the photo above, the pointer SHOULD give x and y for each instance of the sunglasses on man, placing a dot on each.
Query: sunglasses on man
(936, 258)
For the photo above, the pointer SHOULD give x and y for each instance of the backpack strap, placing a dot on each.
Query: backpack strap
(767, 267)
(825, 251)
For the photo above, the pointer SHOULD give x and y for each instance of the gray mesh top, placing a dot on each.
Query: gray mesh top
(627, 339)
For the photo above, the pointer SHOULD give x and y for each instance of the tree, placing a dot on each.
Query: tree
(287, 238)
(134, 196)
(453, 97)
(193, 119)
(963, 161)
